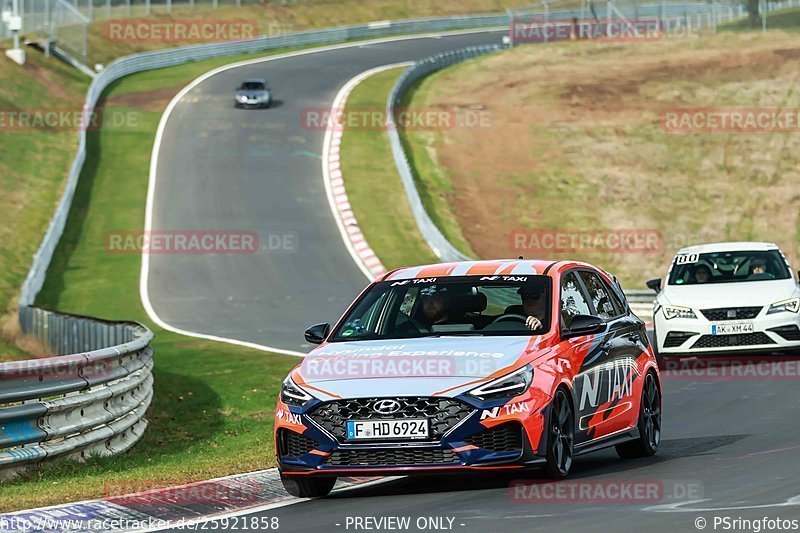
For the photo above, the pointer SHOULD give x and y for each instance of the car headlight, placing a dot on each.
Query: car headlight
(508, 386)
(671, 312)
(291, 394)
(792, 305)
(241, 97)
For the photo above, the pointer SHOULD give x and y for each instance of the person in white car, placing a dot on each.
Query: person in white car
(727, 297)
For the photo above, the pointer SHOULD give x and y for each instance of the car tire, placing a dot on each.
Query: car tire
(649, 424)
(308, 487)
(560, 436)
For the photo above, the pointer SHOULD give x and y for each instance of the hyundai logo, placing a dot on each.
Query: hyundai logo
(386, 407)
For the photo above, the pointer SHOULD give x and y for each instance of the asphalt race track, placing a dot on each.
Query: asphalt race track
(222, 168)
(730, 447)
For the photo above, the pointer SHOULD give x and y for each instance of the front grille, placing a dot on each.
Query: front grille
(724, 341)
(676, 338)
(789, 333)
(410, 456)
(294, 444)
(443, 413)
(731, 313)
(505, 438)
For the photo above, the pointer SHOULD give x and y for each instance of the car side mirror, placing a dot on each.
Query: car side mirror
(585, 325)
(654, 284)
(317, 333)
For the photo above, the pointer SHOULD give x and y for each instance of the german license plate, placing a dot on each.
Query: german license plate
(735, 328)
(407, 428)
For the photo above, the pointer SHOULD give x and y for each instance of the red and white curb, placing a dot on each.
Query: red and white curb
(351, 233)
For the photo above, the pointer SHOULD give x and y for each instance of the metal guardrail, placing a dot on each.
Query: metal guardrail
(91, 402)
(677, 14)
(640, 296)
(176, 56)
(435, 239)
(166, 58)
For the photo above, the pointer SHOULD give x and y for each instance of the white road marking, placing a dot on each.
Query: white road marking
(338, 201)
(148, 224)
(680, 507)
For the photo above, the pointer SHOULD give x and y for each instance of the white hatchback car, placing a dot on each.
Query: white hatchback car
(726, 297)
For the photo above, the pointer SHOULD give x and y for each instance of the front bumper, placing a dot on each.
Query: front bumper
(252, 103)
(692, 336)
(492, 436)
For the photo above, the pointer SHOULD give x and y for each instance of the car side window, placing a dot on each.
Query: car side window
(572, 300)
(618, 299)
(598, 293)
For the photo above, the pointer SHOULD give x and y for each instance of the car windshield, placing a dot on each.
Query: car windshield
(253, 86)
(432, 307)
(728, 267)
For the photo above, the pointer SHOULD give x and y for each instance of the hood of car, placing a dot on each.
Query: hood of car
(740, 294)
(418, 367)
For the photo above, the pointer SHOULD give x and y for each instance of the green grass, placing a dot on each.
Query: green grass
(373, 185)
(274, 19)
(577, 143)
(213, 403)
(434, 182)
(33, 166)
(784, 19)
